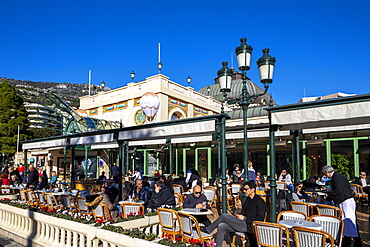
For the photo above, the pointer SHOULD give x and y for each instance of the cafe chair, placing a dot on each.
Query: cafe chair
(323, 209)
(271, 234)
(291, 215)
(313, 238)
(167, 220)
(101, 211)
(177, 189)
(332, 225)
(23, 195)
(41, 198)
(358, 193)
(68, 203)
(131, 208)
(32, 198)
(302, 207)
(52, 202)
(81, 207)
(6, 190)
(190, 229)
(281, 186)
(267, 184)
(243, 236)
(211, 197)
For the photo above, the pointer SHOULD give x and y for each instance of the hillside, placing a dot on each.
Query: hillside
(33, 91)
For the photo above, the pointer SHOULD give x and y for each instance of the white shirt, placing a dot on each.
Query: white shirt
(363, 182)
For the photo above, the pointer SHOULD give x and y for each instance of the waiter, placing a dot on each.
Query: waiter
(342, 196)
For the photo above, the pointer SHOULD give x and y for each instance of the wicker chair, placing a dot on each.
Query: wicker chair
(129, 208)
(329, 210)
(302, 207)
(190, 229)
(332, 225)
(291, 215)
(271, 234)
(313, 238)
(167, 220)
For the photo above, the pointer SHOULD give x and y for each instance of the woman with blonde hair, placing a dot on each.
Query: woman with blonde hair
(97, 195)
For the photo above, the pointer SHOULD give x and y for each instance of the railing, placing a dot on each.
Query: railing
(35, 229)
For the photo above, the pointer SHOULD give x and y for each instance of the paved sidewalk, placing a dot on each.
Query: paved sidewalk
(8, 242)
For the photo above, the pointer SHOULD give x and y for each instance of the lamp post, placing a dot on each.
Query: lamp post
(189, 80)
(3, 158)
(132, 76)
(266, 66)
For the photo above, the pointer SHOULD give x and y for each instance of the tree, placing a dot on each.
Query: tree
(12, 115)
(340, 164)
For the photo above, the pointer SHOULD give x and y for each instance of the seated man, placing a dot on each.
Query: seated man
(111, 190)
(364, 182)
(162, 197)
(254, 209)
(198, 200)
(139, 192)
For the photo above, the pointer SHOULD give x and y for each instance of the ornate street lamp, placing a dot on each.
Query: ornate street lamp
(189, 80)
(102, 84)
(159, 67)
(266, 67)
(132, 76)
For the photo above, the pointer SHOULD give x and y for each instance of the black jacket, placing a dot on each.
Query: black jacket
(254, 210)
(191, 201)
(340, 189)
(33, 178)
(358, 181)
(164, 198)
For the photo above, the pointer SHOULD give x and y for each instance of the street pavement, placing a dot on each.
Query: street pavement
(8, 242)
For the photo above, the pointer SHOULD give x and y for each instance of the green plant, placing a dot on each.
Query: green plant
(340, 164)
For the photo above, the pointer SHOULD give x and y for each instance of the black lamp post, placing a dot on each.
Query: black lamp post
(266, 68)
(132, 76)
(189, 80)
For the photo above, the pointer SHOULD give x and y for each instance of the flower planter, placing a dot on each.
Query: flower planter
(10, 197)
(142, 222)
(153, 219)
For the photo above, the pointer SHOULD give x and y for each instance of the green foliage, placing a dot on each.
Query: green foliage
(39, 133)
(340, 164)
(309, 164)
(12, 114)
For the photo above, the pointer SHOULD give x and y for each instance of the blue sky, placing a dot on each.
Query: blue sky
(321, 47)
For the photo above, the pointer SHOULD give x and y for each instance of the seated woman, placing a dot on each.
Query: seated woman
(42, 183)
(97, 195)
(299, 195)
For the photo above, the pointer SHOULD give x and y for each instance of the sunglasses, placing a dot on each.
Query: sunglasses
(300, 186)
(197, 193)
(245, 189)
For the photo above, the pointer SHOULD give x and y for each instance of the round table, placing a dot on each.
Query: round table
(302, 223)
(195, 211)
(138, 202)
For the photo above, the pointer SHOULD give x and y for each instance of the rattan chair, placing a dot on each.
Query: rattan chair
(358, 192)
(332, 225)
(167, 220)
(190, 229)
(271, 234)
(302, 207)
(131, 208)
(329, 210)
(311, 238)
(101, 211)
(81, 207)
(291, 215)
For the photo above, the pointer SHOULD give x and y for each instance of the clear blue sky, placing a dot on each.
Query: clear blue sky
(321, 47)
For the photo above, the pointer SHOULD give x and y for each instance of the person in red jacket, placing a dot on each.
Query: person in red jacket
(4, 179)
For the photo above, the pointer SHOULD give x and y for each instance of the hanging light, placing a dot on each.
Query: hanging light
(243, 54)
(132, 76)
(266, 65)
(102, 84)
(225, 77)
(189, 80)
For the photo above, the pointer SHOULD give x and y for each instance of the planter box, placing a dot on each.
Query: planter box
(153, 219)
(133, 223)
(10, 197)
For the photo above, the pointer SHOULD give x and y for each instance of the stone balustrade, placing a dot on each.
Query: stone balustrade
(35, 229)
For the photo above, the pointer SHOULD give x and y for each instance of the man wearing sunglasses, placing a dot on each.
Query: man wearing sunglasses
(198, 200)
(254, 209)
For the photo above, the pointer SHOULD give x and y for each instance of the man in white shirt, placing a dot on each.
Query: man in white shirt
(364, 182)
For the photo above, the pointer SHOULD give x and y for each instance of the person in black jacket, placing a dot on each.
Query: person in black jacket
(342, 196)
(198, 200)
(162, 197)
(364, 182)
(32, 178)
(254, 209)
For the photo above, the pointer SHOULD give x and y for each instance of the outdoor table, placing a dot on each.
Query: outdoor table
(195, 211)
(187, 193)
(302, 223)
(138, 202)
(61, 193)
